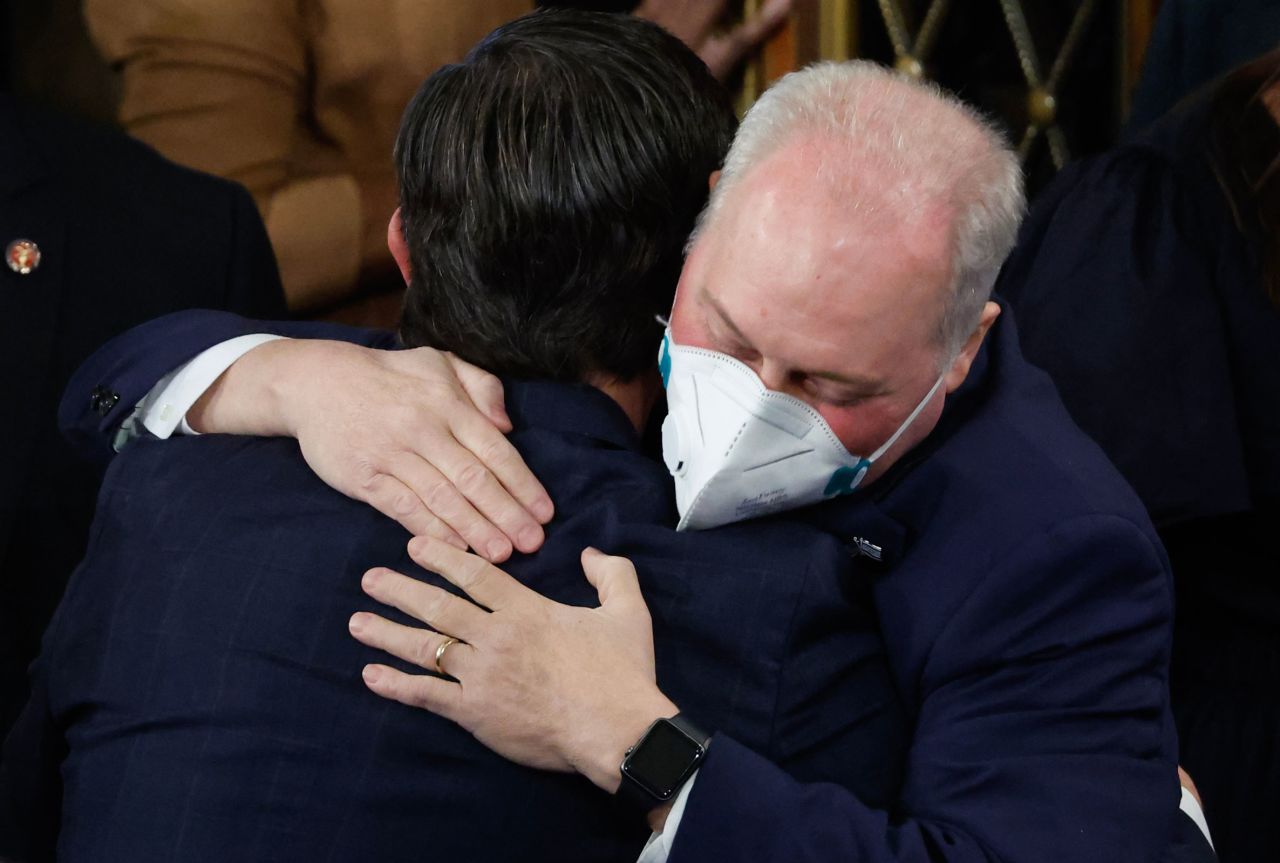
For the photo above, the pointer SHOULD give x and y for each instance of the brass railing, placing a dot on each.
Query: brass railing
(829, 29)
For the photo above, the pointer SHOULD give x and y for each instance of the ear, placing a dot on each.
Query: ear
(399, 248)
(712, 180)
(960, 367)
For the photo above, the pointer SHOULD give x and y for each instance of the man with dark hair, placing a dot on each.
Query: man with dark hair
(529, 194)
(199, 696)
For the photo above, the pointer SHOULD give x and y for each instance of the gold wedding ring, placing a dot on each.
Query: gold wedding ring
(444, 645)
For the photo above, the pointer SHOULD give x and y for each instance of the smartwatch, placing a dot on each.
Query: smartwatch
(660, 763)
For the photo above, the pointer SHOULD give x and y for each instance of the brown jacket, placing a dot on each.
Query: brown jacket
(298, 100)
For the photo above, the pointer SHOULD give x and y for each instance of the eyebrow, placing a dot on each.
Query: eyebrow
(872, 386)
(724, 315)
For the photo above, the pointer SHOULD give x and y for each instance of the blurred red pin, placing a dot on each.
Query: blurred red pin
(22, 256)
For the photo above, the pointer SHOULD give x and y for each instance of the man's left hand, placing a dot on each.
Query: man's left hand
(552, 686)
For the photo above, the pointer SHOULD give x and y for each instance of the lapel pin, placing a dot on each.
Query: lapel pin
(867, 548)
(22, 256)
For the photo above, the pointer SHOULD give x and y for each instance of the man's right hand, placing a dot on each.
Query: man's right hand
(417, 434)
(695, 22)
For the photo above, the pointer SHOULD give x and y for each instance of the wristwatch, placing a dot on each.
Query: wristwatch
(661, 761)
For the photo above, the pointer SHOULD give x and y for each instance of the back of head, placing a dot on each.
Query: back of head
(548, 184)
(895, 153)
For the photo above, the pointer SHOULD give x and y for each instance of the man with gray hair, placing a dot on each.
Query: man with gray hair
(832, 342)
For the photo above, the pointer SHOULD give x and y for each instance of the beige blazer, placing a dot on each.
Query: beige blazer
(298, 100)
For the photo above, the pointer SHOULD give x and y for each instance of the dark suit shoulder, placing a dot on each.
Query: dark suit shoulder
(101, 160)
(1017, 463)
(1010, 500)
(145, 236)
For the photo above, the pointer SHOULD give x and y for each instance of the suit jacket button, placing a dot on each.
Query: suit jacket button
(102, 400)
(22, 256)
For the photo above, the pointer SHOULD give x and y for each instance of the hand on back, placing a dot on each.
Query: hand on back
(417, 434)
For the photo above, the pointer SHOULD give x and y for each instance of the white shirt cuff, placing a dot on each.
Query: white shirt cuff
(1190, 806)
(658, 848)
(164, 409)
(659, 845)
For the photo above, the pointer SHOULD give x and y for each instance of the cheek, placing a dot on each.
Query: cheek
(858, 427)
(912, 437)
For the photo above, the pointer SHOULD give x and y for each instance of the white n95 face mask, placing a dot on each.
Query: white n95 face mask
(738, 450)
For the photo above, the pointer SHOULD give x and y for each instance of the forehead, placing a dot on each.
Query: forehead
(818, 283)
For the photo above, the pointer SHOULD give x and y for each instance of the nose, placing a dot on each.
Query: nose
(775, 376)
(769, 372)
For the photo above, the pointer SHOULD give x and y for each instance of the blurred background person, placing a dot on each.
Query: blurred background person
(99, 234)
(1147, 282)
(1194, 42)
(299, 100)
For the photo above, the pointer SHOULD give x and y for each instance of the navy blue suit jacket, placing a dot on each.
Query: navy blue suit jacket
(125, 235)
(201, 681)
(1025, 604)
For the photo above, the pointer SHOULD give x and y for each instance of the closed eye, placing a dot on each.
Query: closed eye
(836, 396)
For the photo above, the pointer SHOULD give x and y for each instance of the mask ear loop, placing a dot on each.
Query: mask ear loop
(869, 460)
(666, 322)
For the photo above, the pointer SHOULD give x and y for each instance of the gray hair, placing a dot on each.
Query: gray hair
(924, 152)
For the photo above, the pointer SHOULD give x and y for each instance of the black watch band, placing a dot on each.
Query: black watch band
(662, 760)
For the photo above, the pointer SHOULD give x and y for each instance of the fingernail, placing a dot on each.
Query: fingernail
(592, 551)
(543, 510)
(370, 674)
(529, 538)
(355, 623)
(498, 549)
(370, 579)
(417, 545)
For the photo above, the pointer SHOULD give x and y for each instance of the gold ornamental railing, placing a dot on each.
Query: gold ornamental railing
(911, 34)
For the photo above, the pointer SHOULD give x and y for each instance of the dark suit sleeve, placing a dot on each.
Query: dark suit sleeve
(1189, 844)
(30, 780)
(126, 368)
(1043, 731)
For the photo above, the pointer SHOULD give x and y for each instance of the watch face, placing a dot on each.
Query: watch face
(663, 759)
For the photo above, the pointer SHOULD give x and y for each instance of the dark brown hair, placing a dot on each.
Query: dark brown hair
(548, 183)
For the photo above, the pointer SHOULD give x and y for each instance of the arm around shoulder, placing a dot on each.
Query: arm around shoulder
(109, 386)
